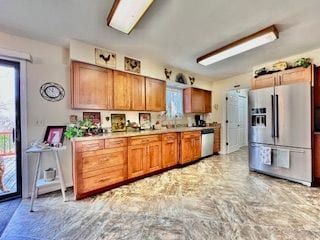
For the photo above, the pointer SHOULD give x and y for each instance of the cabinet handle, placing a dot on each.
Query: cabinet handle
(103, 179)
(170, 141)
(104, 159)
(116, 142)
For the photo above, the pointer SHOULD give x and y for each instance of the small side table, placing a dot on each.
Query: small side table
(37, 183)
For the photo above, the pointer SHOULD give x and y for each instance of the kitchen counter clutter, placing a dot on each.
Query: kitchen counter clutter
(113, 159)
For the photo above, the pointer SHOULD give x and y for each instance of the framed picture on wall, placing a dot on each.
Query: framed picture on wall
(132, 65)
(105, 58)
(118, 122)
(145, 120)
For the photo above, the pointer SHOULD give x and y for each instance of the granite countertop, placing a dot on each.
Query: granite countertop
(140, 133)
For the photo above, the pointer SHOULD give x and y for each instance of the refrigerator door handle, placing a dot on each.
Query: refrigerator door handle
(277, 117)
(272, 117)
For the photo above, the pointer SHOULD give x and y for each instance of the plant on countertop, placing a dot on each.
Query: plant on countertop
(81, 128)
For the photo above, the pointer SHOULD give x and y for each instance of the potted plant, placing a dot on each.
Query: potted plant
(81, 128)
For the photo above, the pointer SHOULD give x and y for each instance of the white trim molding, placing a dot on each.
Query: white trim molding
(13, 54)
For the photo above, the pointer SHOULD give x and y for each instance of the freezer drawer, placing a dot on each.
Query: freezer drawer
(260, 115)
(293, 115)
(300, 163)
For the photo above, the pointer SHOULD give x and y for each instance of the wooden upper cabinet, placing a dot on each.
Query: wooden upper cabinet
(121, 91)
(138, 92)
(91, 86)
(155, 95)
(196, 100)
(290, 76)
(296, 75)
(207, 101)
(264, 81)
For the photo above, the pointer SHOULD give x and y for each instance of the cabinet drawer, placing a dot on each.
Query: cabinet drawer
(144, 139)
(169, 137)
(89, 145)
(115, 142)
(104, 159)
(190, 134)
(103, 180)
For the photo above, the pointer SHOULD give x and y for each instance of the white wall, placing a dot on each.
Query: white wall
(51, 63)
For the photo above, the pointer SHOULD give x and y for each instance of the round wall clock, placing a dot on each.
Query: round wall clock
(52, 92)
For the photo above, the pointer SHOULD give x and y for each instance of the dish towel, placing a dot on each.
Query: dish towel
(265, 155)
(283, 158)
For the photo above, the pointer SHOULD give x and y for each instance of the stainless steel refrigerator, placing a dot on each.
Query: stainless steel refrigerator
(280, 119)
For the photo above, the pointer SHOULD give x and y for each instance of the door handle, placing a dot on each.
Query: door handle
(272, 117)
(277, 116)
(13, 135)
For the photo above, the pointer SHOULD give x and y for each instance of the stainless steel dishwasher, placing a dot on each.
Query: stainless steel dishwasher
(207, 137)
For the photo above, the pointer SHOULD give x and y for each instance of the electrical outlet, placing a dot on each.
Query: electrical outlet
(39, 123)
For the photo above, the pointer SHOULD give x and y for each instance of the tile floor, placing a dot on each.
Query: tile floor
(216, 198)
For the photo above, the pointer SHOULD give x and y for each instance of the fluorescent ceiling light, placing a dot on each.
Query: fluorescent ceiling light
(257, 39)
(125, 14)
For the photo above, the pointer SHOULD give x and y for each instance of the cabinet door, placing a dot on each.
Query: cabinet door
(138, 92)
(264, 81)
(316, 155)
(153, 162)
(121, 91)
(136, 160)
(155, 95)
(216, 143)
(197, 101)
(296, 75)
(91, 86)
(170, 151)
(196, 147)
(207, 101)
(186, 150)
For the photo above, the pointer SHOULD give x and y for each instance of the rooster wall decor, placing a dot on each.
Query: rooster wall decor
(105, 58)
(132, 65)
(192, 79)
(167, 73)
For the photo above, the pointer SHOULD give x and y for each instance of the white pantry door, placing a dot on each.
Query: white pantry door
(232, 121)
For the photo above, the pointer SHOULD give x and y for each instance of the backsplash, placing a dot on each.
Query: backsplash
(133, 116)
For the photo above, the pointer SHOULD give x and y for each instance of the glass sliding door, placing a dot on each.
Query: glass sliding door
(10, 145)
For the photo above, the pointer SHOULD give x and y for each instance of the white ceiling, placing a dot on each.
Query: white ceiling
(174, 32)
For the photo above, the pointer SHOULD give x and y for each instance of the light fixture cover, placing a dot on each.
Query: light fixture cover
(125, 14)
(257, 39)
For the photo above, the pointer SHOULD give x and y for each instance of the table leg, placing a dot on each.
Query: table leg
(63, 186)
(34, 187)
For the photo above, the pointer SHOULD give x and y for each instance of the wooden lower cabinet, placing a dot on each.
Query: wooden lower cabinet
(316, 159)
(136, 160)
(217, 139)
(190, 146)
(170, 150)
(144, 155)
(104, 163)
(98, 168)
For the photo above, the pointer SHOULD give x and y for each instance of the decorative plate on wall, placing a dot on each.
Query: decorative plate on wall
(180, 78)
(52, 92)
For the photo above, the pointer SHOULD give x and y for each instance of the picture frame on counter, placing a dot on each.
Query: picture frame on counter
(95, 117)
(145, 121)
(118, 122)
(54, 135)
